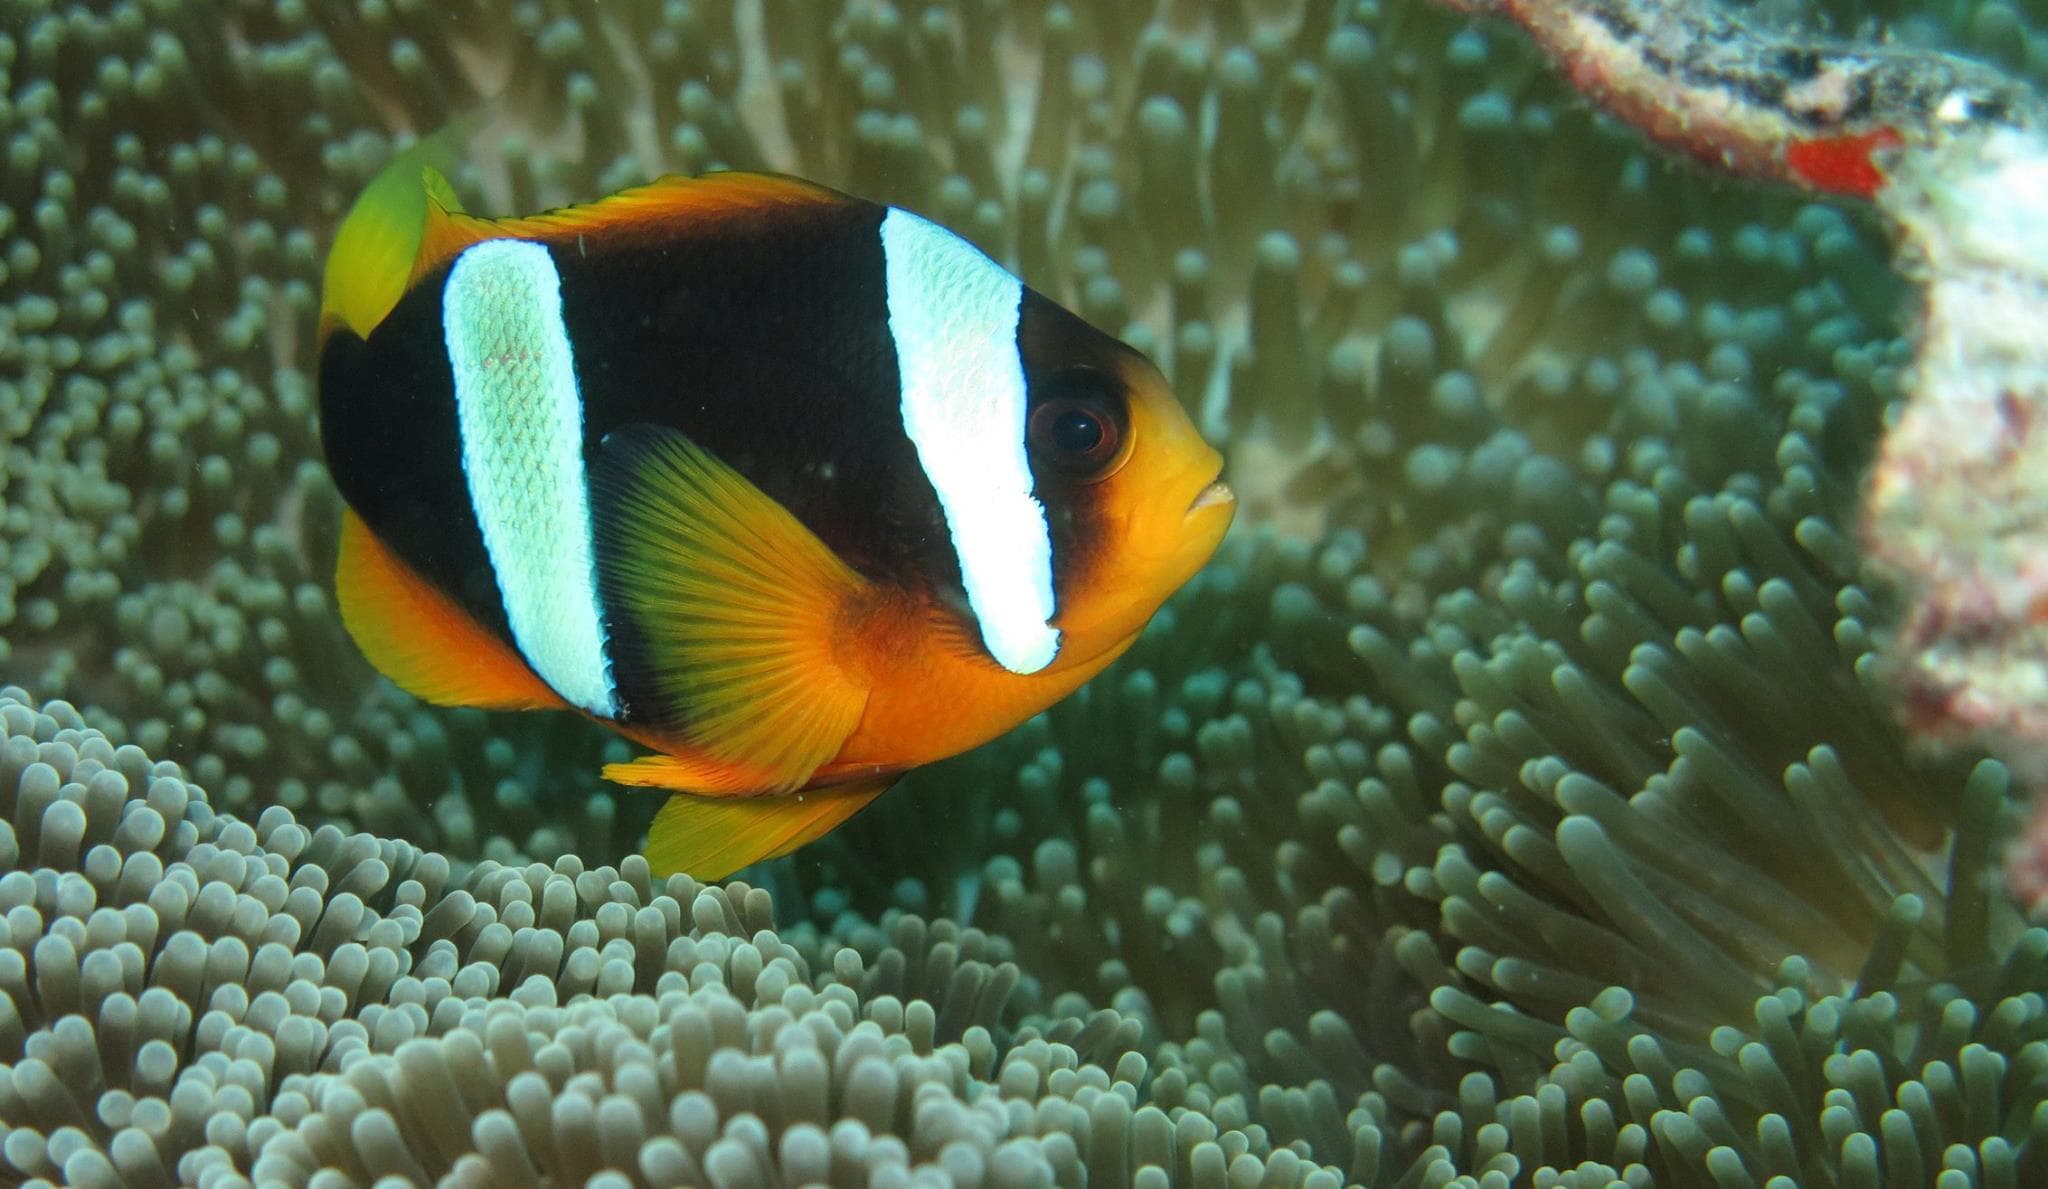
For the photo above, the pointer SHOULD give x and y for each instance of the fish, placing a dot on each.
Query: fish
(796, 490)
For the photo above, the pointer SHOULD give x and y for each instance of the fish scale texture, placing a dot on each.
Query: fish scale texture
(523, 459)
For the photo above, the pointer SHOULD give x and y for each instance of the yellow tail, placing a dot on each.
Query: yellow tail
(371, 262)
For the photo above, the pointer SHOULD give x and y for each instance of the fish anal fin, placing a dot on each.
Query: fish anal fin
(422, 639)
(737, 610)
(711, 837)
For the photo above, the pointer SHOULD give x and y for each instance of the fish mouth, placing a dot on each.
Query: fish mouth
(1217, 493)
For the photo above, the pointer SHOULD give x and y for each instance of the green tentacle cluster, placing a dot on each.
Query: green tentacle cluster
(1517, 799)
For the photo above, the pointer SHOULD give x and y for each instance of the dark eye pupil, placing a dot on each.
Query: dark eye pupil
(1076, 431)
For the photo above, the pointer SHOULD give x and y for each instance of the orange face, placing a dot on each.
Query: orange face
(1134, 509)
(1140, 528)
(1128, 484)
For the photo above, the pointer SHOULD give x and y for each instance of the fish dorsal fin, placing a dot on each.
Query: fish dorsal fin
(733, 608)
(408, 222)
(666, 200)
(370, 265)
(422, 639)
(672, 198)
(446, 229)
(711, 837)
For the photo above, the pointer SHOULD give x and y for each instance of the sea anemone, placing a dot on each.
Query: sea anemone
(1516, 797)
(185, 995)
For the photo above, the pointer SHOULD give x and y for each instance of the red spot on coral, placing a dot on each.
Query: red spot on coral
(1928, 708)
(1840, 164)
(2015, 415)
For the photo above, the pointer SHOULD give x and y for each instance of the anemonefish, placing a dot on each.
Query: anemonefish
(797, 490)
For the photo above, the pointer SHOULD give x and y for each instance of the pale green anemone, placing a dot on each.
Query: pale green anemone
(1513, 799)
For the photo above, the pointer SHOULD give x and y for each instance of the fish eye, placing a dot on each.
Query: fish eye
(1077, 423)
(1075, 430)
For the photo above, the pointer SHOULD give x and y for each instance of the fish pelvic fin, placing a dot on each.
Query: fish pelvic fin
(688, 774)
(709, 838)
(422, 639)
(734, 613)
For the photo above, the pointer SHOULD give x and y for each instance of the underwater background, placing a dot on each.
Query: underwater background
(1517, 799)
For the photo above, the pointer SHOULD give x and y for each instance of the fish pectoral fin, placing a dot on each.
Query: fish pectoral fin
(731, 608)
(422, 639)
(709, 838)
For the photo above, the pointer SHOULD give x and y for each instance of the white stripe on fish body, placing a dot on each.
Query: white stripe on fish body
(953, 316)
(521, 422)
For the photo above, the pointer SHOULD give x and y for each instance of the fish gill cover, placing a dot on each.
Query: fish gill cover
(1517, 799)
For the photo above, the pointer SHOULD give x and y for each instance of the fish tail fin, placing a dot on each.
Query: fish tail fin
(711, 837)
(374, 251)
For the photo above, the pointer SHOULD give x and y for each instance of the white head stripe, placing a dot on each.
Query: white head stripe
(953, 315)
(521, 420)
